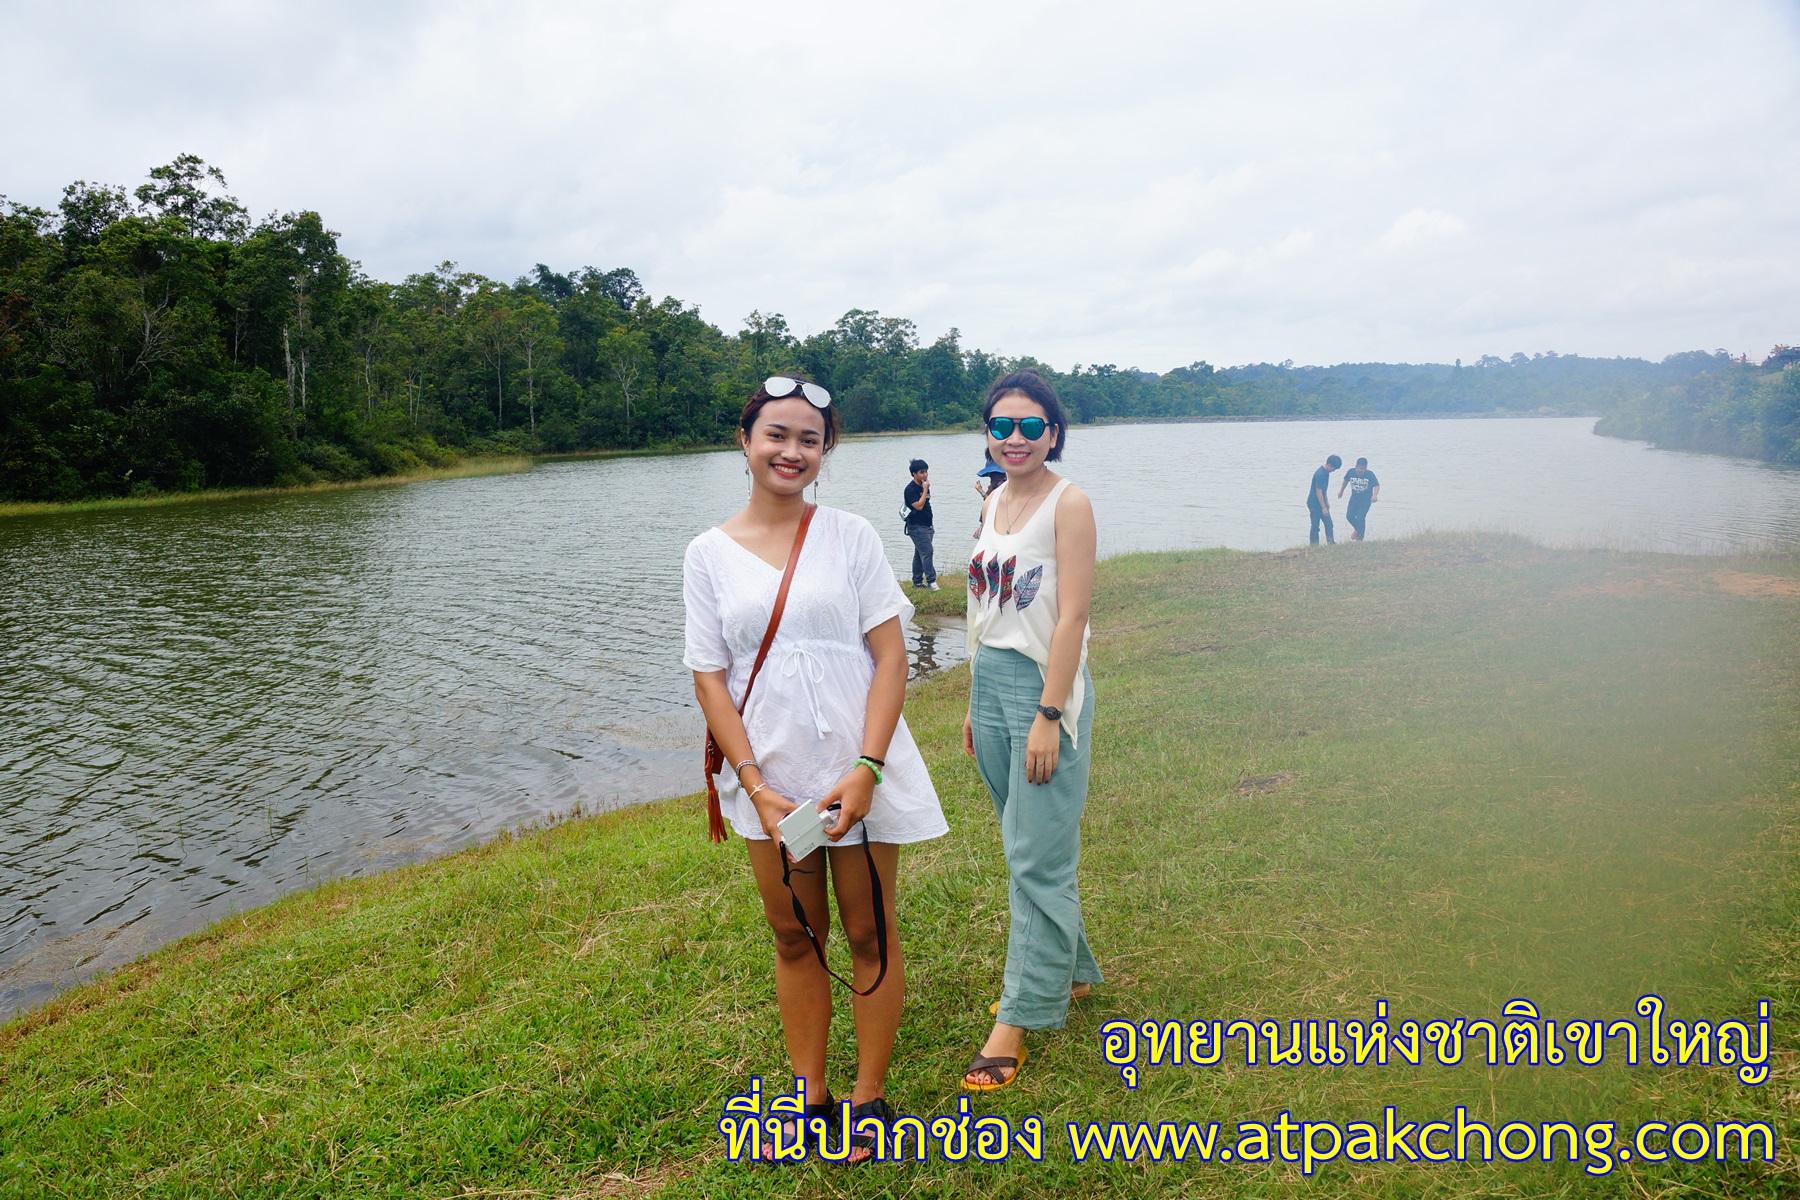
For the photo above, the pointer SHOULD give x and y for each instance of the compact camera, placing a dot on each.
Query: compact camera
(803, 830)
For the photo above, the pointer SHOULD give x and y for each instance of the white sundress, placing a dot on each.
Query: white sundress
(805, 717)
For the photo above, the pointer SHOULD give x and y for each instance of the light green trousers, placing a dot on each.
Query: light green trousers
(1040, 830)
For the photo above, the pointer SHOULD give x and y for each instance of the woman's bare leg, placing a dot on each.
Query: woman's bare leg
(878, 1015)
(802, 989)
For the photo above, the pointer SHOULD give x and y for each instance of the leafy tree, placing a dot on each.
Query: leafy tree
(180, 190)
(87, 209)
(534, 326)
(625, 352)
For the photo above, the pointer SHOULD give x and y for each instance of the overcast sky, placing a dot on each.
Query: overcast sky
(1141, 184)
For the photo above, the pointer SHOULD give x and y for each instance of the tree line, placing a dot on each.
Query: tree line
(1741, 408)
(159, 339)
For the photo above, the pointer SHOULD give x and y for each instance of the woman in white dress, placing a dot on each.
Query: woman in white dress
(822, 727)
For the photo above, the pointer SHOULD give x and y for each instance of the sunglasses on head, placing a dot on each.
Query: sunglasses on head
(1000, 428)
(780, 387)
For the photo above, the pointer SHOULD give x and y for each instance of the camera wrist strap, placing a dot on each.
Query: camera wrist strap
(789, 868)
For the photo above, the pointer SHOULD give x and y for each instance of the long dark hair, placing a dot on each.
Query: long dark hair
(754, 405)
(1037, 389)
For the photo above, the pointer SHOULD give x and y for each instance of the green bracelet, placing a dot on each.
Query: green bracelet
(866, 761)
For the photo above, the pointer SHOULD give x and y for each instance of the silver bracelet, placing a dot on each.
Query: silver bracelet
(738, 768)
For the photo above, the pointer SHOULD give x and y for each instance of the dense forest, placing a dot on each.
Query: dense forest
(1738, 408)
(160, 340)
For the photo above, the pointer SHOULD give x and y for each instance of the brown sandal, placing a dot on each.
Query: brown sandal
(993, 1065)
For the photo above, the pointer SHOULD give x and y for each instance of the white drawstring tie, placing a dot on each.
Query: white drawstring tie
(803, 663)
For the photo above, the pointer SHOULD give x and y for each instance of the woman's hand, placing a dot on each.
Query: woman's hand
(854, 793)
(968, 736)
(1041, 746)
(771, 806)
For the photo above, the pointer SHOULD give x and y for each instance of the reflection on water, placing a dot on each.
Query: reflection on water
(936, 643)
(206, 706)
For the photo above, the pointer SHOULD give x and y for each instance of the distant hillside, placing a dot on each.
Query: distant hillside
(1549, 382)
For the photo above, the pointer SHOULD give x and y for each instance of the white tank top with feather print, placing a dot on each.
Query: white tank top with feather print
(1012, 592)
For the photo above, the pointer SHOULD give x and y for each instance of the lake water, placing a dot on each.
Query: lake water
(205, 706)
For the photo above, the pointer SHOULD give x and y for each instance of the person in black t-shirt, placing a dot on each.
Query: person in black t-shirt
(918, 525)
(1317, 503)
(1365, 489)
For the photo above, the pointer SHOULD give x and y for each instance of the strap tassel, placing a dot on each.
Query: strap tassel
(715, 819)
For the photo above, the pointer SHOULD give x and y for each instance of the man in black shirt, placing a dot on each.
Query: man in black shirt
(1316, 502)
(1365, 489)
(918, 525)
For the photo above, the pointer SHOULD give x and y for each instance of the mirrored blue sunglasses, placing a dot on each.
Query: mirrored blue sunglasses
(1000, 428)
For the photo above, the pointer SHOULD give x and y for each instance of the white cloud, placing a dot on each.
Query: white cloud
(1421, 225)
(1135, 183)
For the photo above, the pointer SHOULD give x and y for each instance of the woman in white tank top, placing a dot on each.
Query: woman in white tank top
(1031, 711)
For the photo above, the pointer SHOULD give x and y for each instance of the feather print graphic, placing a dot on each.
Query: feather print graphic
(1027, 589)
(1006, 579)
(977, 577)
(993, 577)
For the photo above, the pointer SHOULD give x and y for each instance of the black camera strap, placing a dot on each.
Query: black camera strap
(789, 869)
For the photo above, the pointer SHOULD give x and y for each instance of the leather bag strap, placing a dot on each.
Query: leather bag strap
(715, 757)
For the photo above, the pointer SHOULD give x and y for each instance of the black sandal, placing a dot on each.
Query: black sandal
(877, 1108)
(807, 1113)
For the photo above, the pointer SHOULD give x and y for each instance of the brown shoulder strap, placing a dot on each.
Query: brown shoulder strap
(715, 758)
(781, 595)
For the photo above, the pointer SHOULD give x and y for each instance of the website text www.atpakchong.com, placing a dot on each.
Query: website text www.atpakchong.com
(1520, 1038)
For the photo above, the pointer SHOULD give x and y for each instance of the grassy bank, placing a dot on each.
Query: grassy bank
(950, 600)
(464, 469)
(1441, 773)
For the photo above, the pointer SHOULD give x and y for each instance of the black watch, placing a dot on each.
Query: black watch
(1051, 711)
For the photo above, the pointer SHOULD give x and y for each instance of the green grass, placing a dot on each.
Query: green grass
(1510, 772)
(950, 600)
(462, 469)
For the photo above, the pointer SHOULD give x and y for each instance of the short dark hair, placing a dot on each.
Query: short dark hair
(917, 465)
(1037, 389)
(1334, 462)
(754, 405)
(1362, 462)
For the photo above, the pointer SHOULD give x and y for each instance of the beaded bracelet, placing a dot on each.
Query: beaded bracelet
(738, 768)
(866, 761)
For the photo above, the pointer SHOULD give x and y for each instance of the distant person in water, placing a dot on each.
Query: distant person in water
(1317, 502)
(1365, 489)
(918, 525)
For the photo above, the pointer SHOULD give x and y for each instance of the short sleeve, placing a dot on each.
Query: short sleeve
(706, 649)
(1373, 481)
(878, 594)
